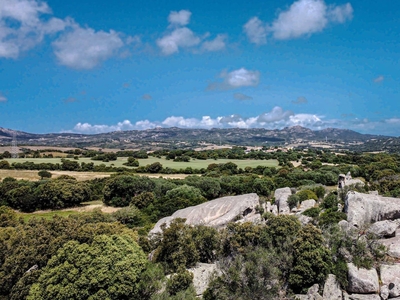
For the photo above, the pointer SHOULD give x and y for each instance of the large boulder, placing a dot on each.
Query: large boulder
(390, 276)
(332, 289)
(216, 213)
(362, 281)
(383, 228)
(281, 196)
(363, 209)
(312, 294)
(364, 297)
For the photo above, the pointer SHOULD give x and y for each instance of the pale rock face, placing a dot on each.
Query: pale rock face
(201, 276)
(393, 245)
(363, 209)
(362, 281)
(384, 292)
(281, 196)
(383, 228)
(306, 204)
(332, 289)
(390, 276)
(216, 213)
(364, 297)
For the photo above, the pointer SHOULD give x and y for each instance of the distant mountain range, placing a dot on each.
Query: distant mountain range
(182, 138)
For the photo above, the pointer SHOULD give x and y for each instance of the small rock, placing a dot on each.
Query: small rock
(383, 228)
(332, 289)
(384, 292)
(364, 297)
(390, 276)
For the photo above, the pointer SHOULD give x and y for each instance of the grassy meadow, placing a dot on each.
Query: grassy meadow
(194, 163)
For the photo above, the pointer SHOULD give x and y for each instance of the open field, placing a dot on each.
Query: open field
(195, 164)
(33, 175)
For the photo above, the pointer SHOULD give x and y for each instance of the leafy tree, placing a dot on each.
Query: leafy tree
(8, 217)
(4, 164)
(143, 200)
(108, 268)
(179, 282)
(118, 191)
(132, 162)
(306, 195)
(155, 167)
(44, 174)
(181, 197)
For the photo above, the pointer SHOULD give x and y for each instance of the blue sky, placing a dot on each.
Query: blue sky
(97, 66)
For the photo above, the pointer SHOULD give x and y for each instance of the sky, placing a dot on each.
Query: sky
(98, 66)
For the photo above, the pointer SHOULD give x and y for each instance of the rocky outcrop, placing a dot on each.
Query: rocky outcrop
(332, 289)
(363, 297)
(390, 276)
(384, 229)
(281, 196)
(363, 209)
(201, 276)
(312, 294)
(216, 213)
(392, 245)
(362, 281)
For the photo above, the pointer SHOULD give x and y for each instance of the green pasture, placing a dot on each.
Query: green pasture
(194, 163)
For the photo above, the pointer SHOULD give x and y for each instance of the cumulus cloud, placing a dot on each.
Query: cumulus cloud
(181, 17)
(2, 98)
(256, 31)
(178, 36)
(147, 97)
(236, 79)
(302, 18)
(277, 118)
(217, 44)
(242, 97)
(85, 48)
(24, 24)
(300, 100)
(379, 79)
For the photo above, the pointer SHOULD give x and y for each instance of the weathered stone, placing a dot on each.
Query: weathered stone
(304, 219)
(272, 208)
(332, 289)
(362, 281)
(383, 228)
(384, 292)
(390, 276)
(306, 204)
(392, 245)
(363, 209)
(216, 213)
(281, 196)
(201, 276)
(364, 297)
(312, 294)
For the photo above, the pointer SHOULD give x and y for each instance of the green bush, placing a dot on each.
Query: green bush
(306, 195)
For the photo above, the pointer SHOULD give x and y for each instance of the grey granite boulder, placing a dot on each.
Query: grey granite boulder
(384, 228)
(392, 245)
(384, 292)
(363, 209)
(364, 297)
(362, 281)
(216, 213)
(281, 195)
(390, 276)
(332, 289)
(312, 294)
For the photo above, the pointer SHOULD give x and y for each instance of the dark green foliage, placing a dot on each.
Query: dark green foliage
(132, 162)
(179, 282)
(108, 268)
(176, 248)
(143, 200)
(154, 167)
(207, 242)
(312, 260)
(330, 217)
(293, 201)
(118, 191)
(181, 197)
(8, 217)
(130, 216)
(281, 228)
(4, 164)
(312, 212)
(44, 174)
(330, 201)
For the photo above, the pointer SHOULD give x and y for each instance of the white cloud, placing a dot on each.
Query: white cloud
(236, 79)
(24, 24)
(2, 98)
(216, 44)
(84, 48)
(180, 37)
(277, 118)
(256, 31)
(181, 17)
(302, 18)
(379, 79)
